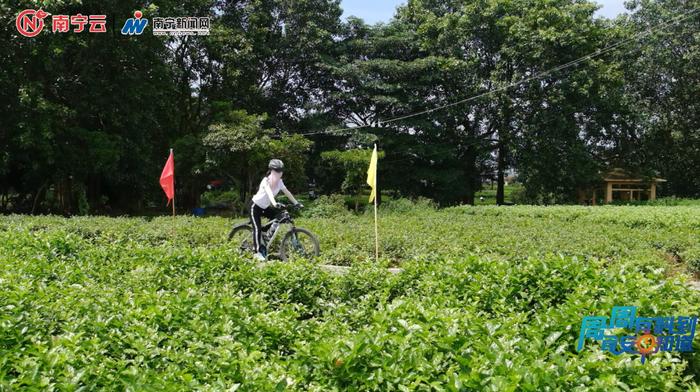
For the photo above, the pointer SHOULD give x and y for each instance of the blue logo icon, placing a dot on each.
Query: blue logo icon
(135, 25)
(669, 333)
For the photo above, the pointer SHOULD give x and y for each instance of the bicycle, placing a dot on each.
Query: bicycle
(296, 242)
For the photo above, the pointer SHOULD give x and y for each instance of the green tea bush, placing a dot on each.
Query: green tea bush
(489, 299)
(692, 257)
(664, 201)
(221, 199)
(406, 206)
(327, 207)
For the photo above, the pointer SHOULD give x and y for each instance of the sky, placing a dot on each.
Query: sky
(373, 11)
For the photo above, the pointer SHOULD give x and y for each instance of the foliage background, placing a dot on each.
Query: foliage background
(88, 118)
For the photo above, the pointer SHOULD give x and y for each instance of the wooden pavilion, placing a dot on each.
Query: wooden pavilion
(619, 185)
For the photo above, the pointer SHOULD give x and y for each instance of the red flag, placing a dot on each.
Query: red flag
(167, 178)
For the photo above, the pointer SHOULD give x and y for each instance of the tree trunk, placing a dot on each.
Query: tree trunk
(500, 191)
(250, 186)
(67, 197)
(471, 175)
(198, 194)
(39, 195)
(94, 192)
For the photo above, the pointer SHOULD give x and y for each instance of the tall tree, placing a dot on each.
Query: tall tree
(77, 106)
(385, 72)
(268, 52)
(663, 83)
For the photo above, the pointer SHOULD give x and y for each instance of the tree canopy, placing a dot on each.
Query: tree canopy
(87, 119)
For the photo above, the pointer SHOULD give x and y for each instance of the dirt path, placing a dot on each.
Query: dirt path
(344, 270)
(339, 269)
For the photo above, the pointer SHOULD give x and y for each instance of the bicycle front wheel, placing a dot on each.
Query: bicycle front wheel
(299, 242)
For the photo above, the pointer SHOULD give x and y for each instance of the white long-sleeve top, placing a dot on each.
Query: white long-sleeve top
(266, 194)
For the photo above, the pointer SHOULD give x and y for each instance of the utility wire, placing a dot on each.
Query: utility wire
(477, 142)
(540, 75)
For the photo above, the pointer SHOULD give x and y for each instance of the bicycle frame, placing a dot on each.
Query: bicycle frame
(282, 218)
(274, 235)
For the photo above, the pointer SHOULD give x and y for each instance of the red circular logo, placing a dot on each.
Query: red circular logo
(30, 22)
(645, 344)
(138, 14)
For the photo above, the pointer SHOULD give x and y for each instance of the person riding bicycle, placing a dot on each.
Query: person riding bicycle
(264, 203)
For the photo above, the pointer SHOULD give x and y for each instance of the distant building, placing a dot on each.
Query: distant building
(511, 176)
(620, 185)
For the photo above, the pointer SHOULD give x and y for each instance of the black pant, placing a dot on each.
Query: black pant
(256, 214)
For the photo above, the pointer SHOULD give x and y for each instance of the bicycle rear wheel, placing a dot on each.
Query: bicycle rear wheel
(299, 242)
(243, 236)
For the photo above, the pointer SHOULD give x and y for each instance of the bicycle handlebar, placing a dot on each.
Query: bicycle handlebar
(283, 206)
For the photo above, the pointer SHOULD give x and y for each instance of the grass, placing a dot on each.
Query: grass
(489, 194)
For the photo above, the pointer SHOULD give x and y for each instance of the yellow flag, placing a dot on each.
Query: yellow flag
(372, 174)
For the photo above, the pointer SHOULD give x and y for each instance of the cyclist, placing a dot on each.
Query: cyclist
(264, 203)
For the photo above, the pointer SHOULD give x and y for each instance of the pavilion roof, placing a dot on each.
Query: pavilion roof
(622, 175)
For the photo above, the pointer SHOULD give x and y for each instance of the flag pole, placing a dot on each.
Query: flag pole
(372, 181)
(376, 231)
(171, 152)
(376, 223)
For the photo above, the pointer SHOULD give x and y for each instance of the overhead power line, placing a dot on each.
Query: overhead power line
(537, 76)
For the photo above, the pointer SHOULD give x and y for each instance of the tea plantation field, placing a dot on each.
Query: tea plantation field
(489, 299)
